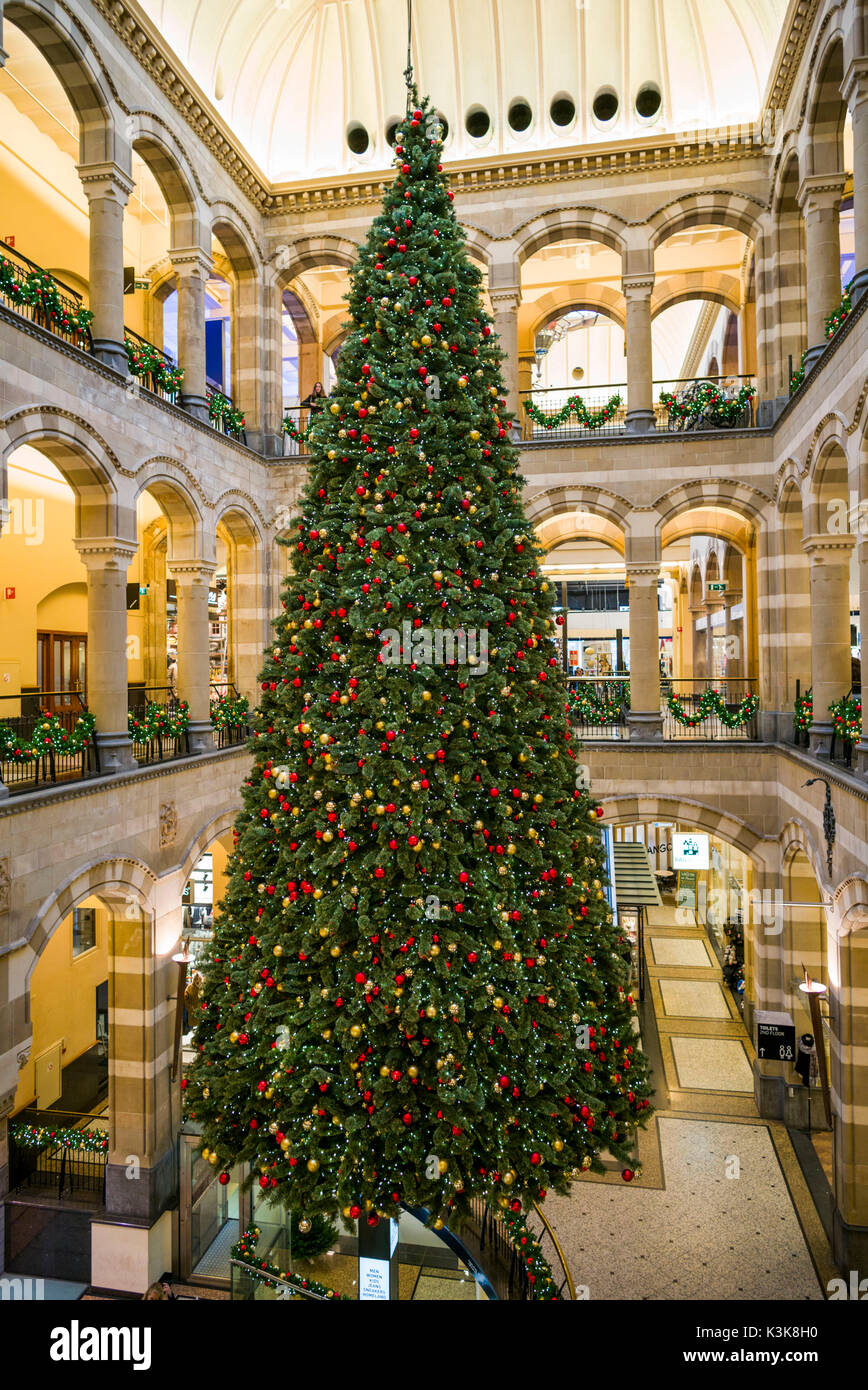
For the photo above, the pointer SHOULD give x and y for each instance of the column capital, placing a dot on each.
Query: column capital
(192, 569)
(106, 552)
(820, 192)
(505, 300)
(106, 180)
(638, 286)
(854, 88)
(822, 548)
(191, 260)
(643, 572)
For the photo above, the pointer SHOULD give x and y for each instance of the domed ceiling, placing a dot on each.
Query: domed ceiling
(312, 87)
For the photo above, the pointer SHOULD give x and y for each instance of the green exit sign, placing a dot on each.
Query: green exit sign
(717, 588)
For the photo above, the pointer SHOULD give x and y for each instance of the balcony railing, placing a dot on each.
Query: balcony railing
(691, 708)
(23, 768)
(39, 296)
(225, 416)
(44, 1155)
(704, 708)
(151, 744)
(160, 374)
(296, 419)
(680, 404)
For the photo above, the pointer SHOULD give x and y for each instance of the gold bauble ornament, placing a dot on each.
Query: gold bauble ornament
(312, 1165)
(304, 1225)
(356, 1030)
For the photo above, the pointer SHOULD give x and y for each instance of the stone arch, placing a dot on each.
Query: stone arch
(310, 252)
(745, 501)
(714, 286)
(479, 245)
(85, 462)
(714, 208)
(640, 808)
(826, 110)
(183, 513)
(557, 302)
(569, 224)
(62, 42)
(154, 143)
(242, 535)
(559, 501)
(222, 824)
(124, 881)
(334, 336)
(828, 481)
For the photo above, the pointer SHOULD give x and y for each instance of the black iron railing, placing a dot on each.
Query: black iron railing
(703, 708)
(157, 376)
(23, 772)
(599, 706)
(52, 1165)
(841, 747)
(152, 743)
(57, 309)
(680, 404)
(235, 730)
(224, 415)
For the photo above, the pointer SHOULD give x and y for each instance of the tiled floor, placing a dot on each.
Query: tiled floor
(703, 1235)
(694, 999)
(712, 1064)
(721, 1210)
(673, 951)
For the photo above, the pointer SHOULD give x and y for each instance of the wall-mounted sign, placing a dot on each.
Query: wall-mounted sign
(717, 588)
(689, 850)
(10, 593)
(775, 1036)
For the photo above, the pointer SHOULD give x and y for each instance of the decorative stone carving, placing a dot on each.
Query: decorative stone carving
(5, 886)
(24, 1055)
(168, 824)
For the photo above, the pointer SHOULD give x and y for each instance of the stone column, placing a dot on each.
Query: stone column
(192, 267)
(820, 201)
(192, 582)
(107, 561)
(855, 93)
(107, 189)
(505, 305)
(526, 364)
(861, 749)
(246, 633)
(848, 1009)
(141, 1017)
(640, 400)
(831, 677)
(645, 718)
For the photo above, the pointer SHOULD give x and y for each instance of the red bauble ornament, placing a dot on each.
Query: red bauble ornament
(628, 1175)
(224, 1178)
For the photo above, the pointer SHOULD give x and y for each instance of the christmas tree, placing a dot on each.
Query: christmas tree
(416, 993)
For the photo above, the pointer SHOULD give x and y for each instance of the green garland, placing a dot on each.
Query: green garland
(798, 375)
(92, 1141)
(156, 721)
(803, 712)
(221, 408)
(244, 1251)
(847, 716)
(708, 400)
(143, 359)
(291, 428)
(837, 317)
(38, 290)
(527, 1247)
(229, 712)
(49, 736)
(712, 702)
(601, 709)
(592, 420)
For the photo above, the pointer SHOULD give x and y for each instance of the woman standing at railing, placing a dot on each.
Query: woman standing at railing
(315, 402)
